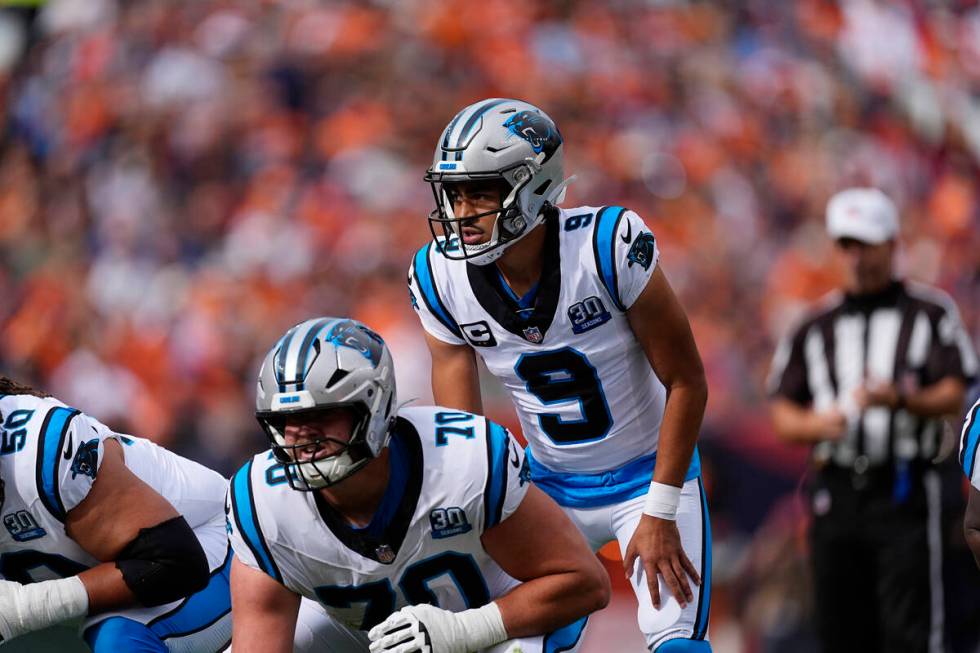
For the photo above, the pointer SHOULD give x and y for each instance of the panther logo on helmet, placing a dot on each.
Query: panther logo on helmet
(537, 130)
(359, 338)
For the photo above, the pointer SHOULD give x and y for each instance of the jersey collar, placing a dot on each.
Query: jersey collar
(381, 541)
(508, 311)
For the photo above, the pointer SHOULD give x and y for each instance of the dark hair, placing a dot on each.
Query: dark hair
(10, 387)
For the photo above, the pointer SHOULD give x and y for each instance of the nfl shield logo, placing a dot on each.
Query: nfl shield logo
(384, 553)
(533, 334)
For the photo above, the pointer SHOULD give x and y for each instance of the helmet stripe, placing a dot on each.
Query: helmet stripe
(471, 122)
(449, 131)
(291, 353)
(304, 350)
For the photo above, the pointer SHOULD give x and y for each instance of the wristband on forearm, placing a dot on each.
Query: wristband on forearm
(662, 501)
(483, 627)
(34, 606)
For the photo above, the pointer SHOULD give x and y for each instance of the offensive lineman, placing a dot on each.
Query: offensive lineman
(109, 527)
(571, 311)
(368, 509)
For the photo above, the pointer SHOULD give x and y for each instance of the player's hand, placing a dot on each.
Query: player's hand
(657, 543)
(417, 629)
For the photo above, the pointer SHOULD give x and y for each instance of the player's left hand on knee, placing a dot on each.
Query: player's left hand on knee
(416, 629)
(657, 544)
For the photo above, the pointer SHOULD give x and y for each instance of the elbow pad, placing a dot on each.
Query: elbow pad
(164, 563)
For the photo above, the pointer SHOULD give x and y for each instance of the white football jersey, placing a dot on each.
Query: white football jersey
(50, 456)
(969, 442)
(452, 476)
(585, 393)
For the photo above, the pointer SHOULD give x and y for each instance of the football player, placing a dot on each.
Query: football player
(571, 310)
(108, 528)
(969, 442)
(415, 528)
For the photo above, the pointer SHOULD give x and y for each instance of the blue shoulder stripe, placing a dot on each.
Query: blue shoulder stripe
(243, 505)
(50, 443)
(430, 294)
(604, 248)
(496, 487)
(971, 438)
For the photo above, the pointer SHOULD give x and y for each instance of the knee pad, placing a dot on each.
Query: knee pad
(122, 634)
(683, 645)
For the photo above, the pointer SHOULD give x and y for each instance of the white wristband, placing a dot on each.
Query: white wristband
(26, 608)
(484, 627)
(662, 500)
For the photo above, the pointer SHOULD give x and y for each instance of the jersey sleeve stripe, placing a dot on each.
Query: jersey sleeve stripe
(430, 294)
(243, 506)
(970, 440)
(604, 248)
(49, 446)
(496, 487)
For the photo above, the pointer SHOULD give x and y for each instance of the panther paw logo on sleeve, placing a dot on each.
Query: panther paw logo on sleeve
(86, 459)
(642, 250)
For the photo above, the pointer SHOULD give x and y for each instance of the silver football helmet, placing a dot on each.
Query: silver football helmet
(321, 364)
(501, 139)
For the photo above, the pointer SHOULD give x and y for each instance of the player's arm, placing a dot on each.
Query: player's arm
(150, 555)
(562, 581)
(455, 378)
(264, 611)
(660, 325)
(662, 329)
(971, 523)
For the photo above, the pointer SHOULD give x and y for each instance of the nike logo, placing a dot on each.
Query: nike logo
(629, 233)
(71, 446)
(516, 460)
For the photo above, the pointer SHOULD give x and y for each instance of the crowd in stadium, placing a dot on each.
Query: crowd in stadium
(179, 183)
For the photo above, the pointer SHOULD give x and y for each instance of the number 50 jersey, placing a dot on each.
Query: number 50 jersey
(587, 398)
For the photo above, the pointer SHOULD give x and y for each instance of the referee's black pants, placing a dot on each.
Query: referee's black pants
(877, 561)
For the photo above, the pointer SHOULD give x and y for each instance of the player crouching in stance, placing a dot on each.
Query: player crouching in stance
(415, 529)
(88, 532)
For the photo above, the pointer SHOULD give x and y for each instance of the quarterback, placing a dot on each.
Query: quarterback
(415, 529)
(107, 528)
(571, 310)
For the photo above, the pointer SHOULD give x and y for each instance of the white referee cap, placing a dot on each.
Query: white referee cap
(864, 214)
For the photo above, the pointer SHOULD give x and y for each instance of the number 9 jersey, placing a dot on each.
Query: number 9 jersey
(585, 393)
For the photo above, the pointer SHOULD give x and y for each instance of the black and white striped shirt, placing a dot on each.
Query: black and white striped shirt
(908, 334)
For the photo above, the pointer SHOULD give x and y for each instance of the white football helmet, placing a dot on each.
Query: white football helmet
(320, 364)
(501, 139)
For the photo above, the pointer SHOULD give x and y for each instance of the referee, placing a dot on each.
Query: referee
(864, 380)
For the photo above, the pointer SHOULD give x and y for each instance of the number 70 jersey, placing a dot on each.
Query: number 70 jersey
(585, 393)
